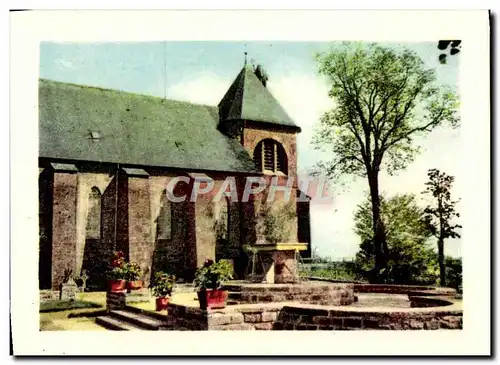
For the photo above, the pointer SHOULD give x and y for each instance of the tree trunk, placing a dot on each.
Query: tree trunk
(379, 239)
(442, 267)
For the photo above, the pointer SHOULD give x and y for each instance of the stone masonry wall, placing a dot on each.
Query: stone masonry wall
(254, 133)
(303, 318)
(300, 317)
(141, 245)
(327, 294)
(63, 226)
(86, 181)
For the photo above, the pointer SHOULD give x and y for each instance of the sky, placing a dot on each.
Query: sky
(201, 72)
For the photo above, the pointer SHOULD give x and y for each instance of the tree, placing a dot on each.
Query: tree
(440, 215)
(410, 259)
(384, 100)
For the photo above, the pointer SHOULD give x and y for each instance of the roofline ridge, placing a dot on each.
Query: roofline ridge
(84, 86)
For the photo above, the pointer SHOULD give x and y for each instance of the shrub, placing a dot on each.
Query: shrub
(118, 273)
(454, 273)
(132, 271)
(410, 260)
(211, 275)
(276, 222)
(162, 284)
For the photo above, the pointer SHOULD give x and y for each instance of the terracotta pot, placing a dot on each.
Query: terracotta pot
(134, 285)
(116, 285)
(161, 303)
(212, 298)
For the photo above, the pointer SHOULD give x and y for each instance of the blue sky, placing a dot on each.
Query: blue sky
(201, 72)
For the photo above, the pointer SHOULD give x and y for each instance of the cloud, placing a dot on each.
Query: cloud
(203, 88)
(62, 63)
(305, 98)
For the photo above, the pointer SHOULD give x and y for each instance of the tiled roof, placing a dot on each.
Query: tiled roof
(92, 124)
(249, 99)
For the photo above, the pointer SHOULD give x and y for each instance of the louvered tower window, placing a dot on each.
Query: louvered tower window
(270, 156)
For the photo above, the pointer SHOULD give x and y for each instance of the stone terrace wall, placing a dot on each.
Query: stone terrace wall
(313, 293)
(299, 317)
(245, 317)
(392, 288)
(303, 318)
(403, 289)
(185, 318)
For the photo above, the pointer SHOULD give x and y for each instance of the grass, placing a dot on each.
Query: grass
(341, 270)
(83, 318)
(64, 305)
(71, 318)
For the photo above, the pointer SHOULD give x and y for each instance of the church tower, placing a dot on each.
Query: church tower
(250, 113)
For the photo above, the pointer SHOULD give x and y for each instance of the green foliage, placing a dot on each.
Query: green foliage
(120, 269)
(162, 284)
(410, 260)
(211, 275)
(63, 305)
(333, 270)
(132, 271)
(118, 273)
(454, 273)
(439, 216)
(276, 220)
(384, 99)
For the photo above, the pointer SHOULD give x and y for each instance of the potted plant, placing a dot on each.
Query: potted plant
(162, 289)
(117, 279)
(209, 278)
(118, 274)
(133, 274)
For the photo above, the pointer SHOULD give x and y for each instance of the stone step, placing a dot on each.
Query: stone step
(234, 295)
(137, 319)
(233, 327)
(236, 288)
(115, 325)
(153, 314)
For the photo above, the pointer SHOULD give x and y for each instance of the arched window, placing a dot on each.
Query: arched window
(270, 156)
(93, 230)
(164, 221)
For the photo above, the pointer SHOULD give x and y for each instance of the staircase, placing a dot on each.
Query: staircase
(132, 319)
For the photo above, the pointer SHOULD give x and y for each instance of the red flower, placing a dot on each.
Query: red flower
(208, 263)
(118, 259)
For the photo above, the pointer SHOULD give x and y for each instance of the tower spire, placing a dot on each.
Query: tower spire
(246, 53)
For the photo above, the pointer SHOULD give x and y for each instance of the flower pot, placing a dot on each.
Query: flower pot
(134, 285)
(116, 285)
(161, 303)
(212, 298)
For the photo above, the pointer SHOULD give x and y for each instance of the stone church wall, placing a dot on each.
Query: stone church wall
(63, 225)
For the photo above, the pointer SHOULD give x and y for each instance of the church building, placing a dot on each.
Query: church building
(107, 156)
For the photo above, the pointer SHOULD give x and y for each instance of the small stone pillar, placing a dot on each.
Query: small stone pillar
(68, 290)
(115, 300)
